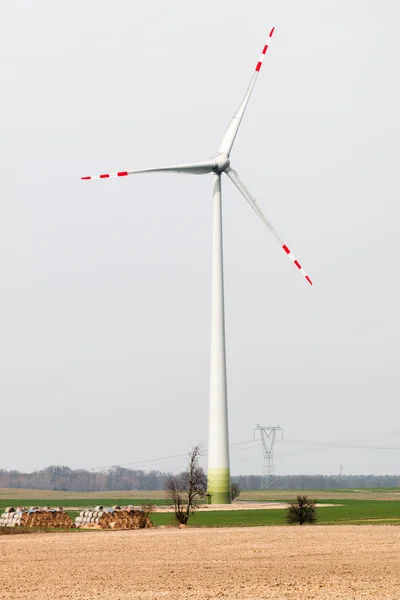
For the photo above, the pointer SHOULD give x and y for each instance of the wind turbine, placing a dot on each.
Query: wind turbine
(218, 444)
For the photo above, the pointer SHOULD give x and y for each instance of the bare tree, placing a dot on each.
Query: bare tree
(235, 491)
(188, 489)
(302, 511)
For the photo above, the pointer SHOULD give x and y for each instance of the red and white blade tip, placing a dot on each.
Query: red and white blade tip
(107, 175)
(263, 53)
(298, 265)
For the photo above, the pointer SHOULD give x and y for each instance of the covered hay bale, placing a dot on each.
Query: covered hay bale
(41, 518)
(113, 518)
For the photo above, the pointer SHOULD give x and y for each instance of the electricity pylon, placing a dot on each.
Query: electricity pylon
(268, 437)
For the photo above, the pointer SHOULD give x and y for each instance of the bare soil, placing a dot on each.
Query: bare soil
(345, 562)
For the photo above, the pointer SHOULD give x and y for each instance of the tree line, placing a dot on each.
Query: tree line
(64, 479)
(320, 482)
(117, 478)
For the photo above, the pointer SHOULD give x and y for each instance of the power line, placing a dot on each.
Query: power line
(244, 445)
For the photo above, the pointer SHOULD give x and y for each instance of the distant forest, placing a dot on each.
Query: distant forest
(118, 478)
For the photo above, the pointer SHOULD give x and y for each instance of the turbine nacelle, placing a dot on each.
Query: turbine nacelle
(222, 163)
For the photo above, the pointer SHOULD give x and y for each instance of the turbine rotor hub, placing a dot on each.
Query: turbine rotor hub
(222, 162)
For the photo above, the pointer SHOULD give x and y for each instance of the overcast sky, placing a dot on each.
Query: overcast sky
(105, 286)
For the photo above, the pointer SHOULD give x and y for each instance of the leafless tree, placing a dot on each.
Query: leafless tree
(301, 511)
(188, 489)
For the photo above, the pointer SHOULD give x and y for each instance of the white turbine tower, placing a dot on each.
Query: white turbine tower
(218, 443)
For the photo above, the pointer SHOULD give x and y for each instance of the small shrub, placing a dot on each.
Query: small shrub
(235, 491)
(301, 511)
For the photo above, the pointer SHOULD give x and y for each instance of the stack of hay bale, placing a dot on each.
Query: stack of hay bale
(117, 517)
(36, 517)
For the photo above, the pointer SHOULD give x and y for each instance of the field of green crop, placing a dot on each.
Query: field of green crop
(346, 512)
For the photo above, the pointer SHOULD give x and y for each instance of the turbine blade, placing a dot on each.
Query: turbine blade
(234, 177)
(232, 129)
(199, 168)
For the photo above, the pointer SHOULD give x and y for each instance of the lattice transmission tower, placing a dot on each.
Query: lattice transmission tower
(268, 438)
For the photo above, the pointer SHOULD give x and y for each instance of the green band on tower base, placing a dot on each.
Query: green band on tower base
(219, 486)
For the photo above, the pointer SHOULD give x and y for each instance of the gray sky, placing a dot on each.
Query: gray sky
(105, 285)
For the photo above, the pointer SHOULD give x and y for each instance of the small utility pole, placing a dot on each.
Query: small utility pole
(341, 476)
(268, 437)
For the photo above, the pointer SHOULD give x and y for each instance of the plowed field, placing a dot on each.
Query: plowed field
(345, 562)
